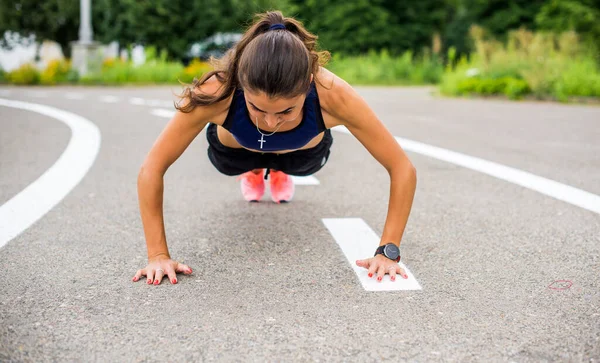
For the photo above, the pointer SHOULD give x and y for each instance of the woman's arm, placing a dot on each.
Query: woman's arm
(354, 113)
(171, 143)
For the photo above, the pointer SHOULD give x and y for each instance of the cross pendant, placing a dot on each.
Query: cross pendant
(262, 140)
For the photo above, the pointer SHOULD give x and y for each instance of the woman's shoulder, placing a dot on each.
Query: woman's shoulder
(212, 87)
(333, 91)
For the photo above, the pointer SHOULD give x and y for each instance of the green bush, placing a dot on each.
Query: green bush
(579, 78)
(157, 72)
(90, 79)
(516, 88)
(2, 75)
(511, 87)
(542, 64)
(25, 74)
(116, 71)
(195, 69)
(381, 68)
(57, 71)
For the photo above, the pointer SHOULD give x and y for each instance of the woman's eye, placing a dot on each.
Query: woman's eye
(287, 112)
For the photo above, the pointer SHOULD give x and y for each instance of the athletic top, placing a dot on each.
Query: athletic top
(240, 125)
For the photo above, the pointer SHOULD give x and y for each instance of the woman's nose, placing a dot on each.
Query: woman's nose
(271, 120)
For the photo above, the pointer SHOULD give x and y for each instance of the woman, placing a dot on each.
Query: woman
(271, 106)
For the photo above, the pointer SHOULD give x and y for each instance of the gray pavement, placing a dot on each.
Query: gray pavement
(269, 282)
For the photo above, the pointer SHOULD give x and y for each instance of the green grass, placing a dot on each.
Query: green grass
(382, 69)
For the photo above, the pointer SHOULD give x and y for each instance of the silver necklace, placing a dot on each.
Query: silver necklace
(262, 136)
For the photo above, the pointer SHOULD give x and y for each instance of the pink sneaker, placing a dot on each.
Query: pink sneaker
(282, 186)
(252, 185)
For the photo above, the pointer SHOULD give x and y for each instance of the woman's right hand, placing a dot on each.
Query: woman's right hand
(159, 266)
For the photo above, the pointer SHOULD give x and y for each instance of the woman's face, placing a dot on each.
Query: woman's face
(273, 112)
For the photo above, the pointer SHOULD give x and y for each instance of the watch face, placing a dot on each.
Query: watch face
(391, 251)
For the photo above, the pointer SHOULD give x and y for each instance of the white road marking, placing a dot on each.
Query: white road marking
(161, 103)
(358, 241)
(305, 180)
(38, 198)
(161, 112)
(137, 101)
(109, 99)
(74, 96)
(150, 102)
(554, 189)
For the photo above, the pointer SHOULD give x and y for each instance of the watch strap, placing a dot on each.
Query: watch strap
(379, 251)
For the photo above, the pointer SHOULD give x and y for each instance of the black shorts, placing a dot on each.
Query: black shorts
(235, 161)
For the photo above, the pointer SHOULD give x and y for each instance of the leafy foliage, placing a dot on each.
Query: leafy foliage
(348, 27)
(582, 16)
(50, 19)
(27, 74)
(541, 64)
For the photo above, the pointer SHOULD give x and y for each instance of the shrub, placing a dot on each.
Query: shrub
(513, 88)
(157, 72)
(516, 88)
(117, 71)
(195, 69)
(114, 71)
(25, 74)
(384, 69)
(543, 64)
(57, 71)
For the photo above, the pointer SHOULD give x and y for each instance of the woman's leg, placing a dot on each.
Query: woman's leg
(237, 161)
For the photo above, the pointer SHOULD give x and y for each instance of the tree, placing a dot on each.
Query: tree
(350, 27)
(413, 23)
(167, 24)
(57, 20)
(496, 16)
(582, 16)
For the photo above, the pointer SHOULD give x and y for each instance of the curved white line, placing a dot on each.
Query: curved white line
(38, 198)
(542, 185)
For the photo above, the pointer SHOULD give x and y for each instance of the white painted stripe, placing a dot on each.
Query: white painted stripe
(161, 112)
(150, 102)
(74, 96)
(109, 99)
(160, 103)
(305, 180)
(137, 101)
(551, 188)
(25, 208)
(358, 241)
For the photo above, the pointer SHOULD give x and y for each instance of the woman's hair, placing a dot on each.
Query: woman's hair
(275, 61)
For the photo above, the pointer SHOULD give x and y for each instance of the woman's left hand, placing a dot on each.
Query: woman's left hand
(382, 265)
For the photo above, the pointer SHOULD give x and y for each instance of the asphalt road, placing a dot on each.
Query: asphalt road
(507, 273)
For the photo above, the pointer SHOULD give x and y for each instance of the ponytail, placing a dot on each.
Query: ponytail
(276, 55)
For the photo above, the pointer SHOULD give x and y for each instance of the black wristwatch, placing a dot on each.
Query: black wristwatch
(390, 251)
